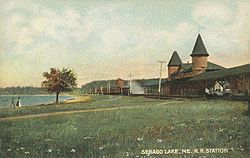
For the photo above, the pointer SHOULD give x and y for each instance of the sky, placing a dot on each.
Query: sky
(109, 39)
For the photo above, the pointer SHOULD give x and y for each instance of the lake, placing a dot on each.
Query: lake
(27, 100)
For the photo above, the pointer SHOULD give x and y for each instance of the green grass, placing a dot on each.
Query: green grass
(163, 124)
(100, 102)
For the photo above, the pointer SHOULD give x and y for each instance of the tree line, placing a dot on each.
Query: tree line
(26, 90)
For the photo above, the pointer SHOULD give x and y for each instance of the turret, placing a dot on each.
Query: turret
(199, 56)
(174, 64)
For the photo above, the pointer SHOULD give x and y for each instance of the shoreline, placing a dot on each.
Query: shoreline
(33, 95)
(76, 99)
(72, 99)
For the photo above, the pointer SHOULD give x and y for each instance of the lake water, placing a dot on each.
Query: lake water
(27, 100)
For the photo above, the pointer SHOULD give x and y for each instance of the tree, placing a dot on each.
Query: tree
(58, 81)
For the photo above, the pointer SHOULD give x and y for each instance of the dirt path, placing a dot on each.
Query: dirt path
(80, 111)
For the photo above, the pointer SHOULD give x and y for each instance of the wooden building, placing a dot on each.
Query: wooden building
(194, 78)
(186, 79)
(177, 69)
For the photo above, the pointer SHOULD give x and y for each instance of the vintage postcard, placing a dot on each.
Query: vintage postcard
(124, 78)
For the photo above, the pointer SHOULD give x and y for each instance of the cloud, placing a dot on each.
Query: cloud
(225, 31)
(110, 40)
(237, 37)
(24, 27)
(240, 27)
(106, 41)
(209, 13)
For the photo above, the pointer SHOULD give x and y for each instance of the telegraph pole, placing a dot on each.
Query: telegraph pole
(159, 87)
(95, 90)
(109, 88)
(101, 90)
(130, 83)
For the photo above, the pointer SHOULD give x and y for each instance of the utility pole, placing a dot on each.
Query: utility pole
(109, 88)
(95, 90)
(130, 83)
(101, 90)
(159, 87)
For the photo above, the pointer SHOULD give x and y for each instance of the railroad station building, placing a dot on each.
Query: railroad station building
(186, 79)
(200, 75)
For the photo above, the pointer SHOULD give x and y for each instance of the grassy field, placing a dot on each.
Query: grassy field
(113, 126)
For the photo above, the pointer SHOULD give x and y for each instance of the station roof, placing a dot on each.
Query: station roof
(180, 80)
(244, 69)
(153, 82)
(175, 60)
(213, 66)
(199, 48)
(187, 67)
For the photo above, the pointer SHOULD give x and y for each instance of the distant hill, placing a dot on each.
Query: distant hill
(29, 90)
(99, 83)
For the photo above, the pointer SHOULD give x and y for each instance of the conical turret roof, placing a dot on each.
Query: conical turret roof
(199, 48)
(175, 60)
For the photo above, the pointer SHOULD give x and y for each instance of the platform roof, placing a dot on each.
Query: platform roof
(243, 69)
